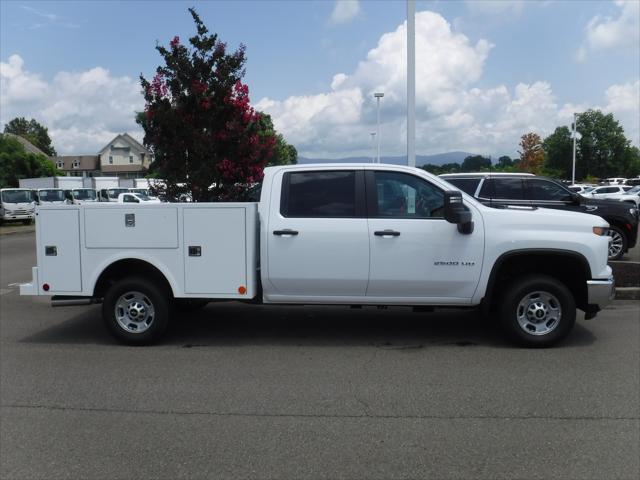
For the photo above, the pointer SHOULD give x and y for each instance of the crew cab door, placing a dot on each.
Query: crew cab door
(317, 236)
(415, 252)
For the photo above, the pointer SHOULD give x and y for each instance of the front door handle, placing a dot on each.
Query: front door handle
(385, 233)
(286, 231)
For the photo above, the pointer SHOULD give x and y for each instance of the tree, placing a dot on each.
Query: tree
(283, 153)
(603, 149)
(474, 163)
(558, 152)
(505, 161)
(33, 131)
(532, 154)
(17, 163)
(198, 122)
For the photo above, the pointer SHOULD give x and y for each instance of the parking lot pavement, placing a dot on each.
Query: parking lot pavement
(310, 392)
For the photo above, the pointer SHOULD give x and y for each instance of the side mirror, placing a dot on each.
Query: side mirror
(456, 212)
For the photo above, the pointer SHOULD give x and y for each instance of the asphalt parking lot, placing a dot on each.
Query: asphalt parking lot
(310, 392)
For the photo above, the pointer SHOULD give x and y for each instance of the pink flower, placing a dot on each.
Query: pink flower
(175, 42)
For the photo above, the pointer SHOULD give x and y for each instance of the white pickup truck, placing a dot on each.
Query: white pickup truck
(327, 234)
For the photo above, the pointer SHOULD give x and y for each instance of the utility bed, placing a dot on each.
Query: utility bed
(204, 250)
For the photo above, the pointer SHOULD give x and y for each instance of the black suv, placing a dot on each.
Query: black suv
(500, 189)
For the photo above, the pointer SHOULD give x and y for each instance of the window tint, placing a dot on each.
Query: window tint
(606, 190)
(545, 190)
(467, 185)
(404, 195)
(503, 188)
(319, 194)
(626, 189)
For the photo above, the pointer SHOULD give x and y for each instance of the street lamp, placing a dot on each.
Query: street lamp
(373, 147)
(378, 96)
(411, 83)
(573, 170)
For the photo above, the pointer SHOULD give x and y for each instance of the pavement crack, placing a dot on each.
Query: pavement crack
(315, 415)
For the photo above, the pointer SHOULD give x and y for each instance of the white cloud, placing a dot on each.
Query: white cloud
(83, 110)
(624, 102)
(344, 11)
(606, 33)
(452, 113)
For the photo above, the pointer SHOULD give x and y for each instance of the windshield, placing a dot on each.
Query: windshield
(51, 195)
(16, 196)
(141, 194)
(114, 192)
(87, 194)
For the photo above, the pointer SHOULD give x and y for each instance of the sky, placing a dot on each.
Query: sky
(486, 71)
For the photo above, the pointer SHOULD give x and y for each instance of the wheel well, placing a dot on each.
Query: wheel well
(127, 268)
(570, 268)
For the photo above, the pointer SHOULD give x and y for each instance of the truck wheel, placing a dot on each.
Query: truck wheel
(537, 311)
(136, 311)
(618, 244)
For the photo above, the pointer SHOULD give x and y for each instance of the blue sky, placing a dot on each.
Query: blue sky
(509, 67)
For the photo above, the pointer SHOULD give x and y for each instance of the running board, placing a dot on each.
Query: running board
(69, 301)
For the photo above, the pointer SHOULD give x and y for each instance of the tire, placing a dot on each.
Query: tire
(136, 311)
(618, 244)
(537, 311)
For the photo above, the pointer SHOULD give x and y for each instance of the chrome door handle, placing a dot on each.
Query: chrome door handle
(385, 233)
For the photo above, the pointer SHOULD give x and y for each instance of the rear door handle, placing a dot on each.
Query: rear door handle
(384, 233)
(286, 231)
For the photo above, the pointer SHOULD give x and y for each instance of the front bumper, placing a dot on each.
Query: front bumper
(18, 216)
(601, 293)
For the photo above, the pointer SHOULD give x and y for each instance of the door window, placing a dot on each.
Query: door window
(467, 185)
(319, 194)
(406, 196)
(546, 190)
(503, 189)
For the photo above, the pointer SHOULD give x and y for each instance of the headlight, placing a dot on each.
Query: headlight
(600, 230)
(31, 210)
(633, 211)
(8, 212)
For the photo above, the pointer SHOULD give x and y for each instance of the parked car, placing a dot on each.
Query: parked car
(609, 191)
(529, 190)
(631, 196)
(581, 189)
(615, 181)
(132, 197)
(110, 194)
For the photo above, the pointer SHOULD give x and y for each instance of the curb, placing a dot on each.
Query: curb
(628, 293)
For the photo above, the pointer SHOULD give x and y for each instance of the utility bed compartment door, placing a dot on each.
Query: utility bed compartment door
(59, 250)
(215, 250)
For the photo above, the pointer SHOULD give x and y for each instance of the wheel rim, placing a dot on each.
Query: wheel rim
(134, 312)
(616, 243)
(539, 313)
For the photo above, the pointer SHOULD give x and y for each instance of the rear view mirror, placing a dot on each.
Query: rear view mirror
(456, 212)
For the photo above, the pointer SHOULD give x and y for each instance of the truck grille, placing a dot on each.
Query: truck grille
(19, 212)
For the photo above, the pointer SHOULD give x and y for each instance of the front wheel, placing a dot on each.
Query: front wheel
(537, 311)
(618, 243)
(136, 311)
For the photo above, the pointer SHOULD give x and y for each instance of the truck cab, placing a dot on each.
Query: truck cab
(16, 205)
(51, 196)
(80, 196)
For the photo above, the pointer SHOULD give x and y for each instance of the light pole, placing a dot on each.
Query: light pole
(573, 170)
(411, 83)
(373, 147)
(378, 96)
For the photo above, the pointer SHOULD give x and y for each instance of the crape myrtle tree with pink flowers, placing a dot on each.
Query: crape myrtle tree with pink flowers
(205, 137)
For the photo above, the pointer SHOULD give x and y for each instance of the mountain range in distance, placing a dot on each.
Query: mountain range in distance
(437, 159)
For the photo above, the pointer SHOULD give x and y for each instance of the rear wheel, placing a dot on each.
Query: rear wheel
(136, 311)
(537, 311)
(618, 243)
